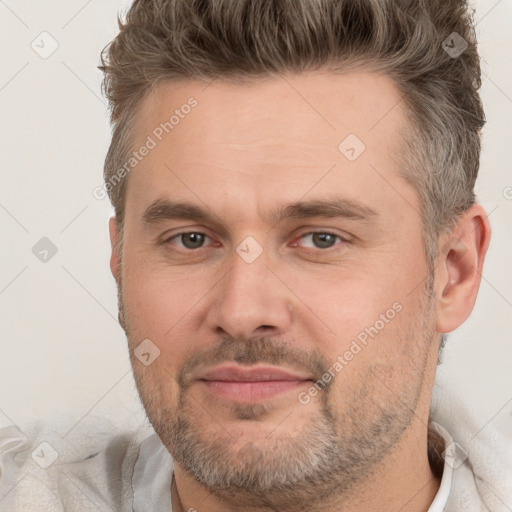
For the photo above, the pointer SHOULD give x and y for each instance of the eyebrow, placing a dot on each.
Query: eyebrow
(164, 209)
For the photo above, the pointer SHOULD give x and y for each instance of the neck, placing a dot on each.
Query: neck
(403, 480)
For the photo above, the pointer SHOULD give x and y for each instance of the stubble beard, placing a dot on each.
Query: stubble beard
(332, 452)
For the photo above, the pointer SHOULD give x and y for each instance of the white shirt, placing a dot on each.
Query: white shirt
(130, 474)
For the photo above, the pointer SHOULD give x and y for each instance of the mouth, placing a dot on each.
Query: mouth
(251, 384)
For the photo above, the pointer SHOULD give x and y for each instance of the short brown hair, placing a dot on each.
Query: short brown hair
(165, 40)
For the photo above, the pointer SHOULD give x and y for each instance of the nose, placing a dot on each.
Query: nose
(250, 300)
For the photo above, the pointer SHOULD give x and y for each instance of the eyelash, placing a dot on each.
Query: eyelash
(342, 240)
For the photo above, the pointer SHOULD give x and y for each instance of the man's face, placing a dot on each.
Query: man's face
(262, 284)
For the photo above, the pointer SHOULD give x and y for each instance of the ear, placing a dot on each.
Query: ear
(459, 268)
(112, 228)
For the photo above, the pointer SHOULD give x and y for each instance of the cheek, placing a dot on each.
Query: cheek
(158, 299)
(156, 309)
(362, 314)
(345, 301)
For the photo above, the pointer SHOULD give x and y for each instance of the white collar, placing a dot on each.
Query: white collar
(152, 477)
(441, 499)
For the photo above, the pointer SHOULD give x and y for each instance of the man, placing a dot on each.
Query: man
(295, 230)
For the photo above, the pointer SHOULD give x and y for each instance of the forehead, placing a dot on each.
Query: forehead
(274, 136)
(328, 105)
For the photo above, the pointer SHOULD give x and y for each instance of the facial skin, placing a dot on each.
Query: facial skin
(244, 153)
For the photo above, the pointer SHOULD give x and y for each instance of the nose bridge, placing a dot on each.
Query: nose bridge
(249, 297)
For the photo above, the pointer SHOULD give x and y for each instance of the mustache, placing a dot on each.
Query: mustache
(252, 351)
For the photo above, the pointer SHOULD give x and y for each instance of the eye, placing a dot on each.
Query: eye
(189, 240)
(192, 240)
(320, 239)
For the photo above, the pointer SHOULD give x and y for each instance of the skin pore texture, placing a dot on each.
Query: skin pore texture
(315, 281)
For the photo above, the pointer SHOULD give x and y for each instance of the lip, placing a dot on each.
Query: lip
(250, 384)
(256, 373)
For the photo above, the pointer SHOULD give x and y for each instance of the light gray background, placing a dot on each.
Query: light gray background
(63, 358)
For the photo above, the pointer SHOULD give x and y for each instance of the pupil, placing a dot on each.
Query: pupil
(195, 240)
(323, 239)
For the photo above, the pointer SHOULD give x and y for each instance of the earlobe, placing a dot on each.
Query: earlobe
(112, 228)
(459, 268)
